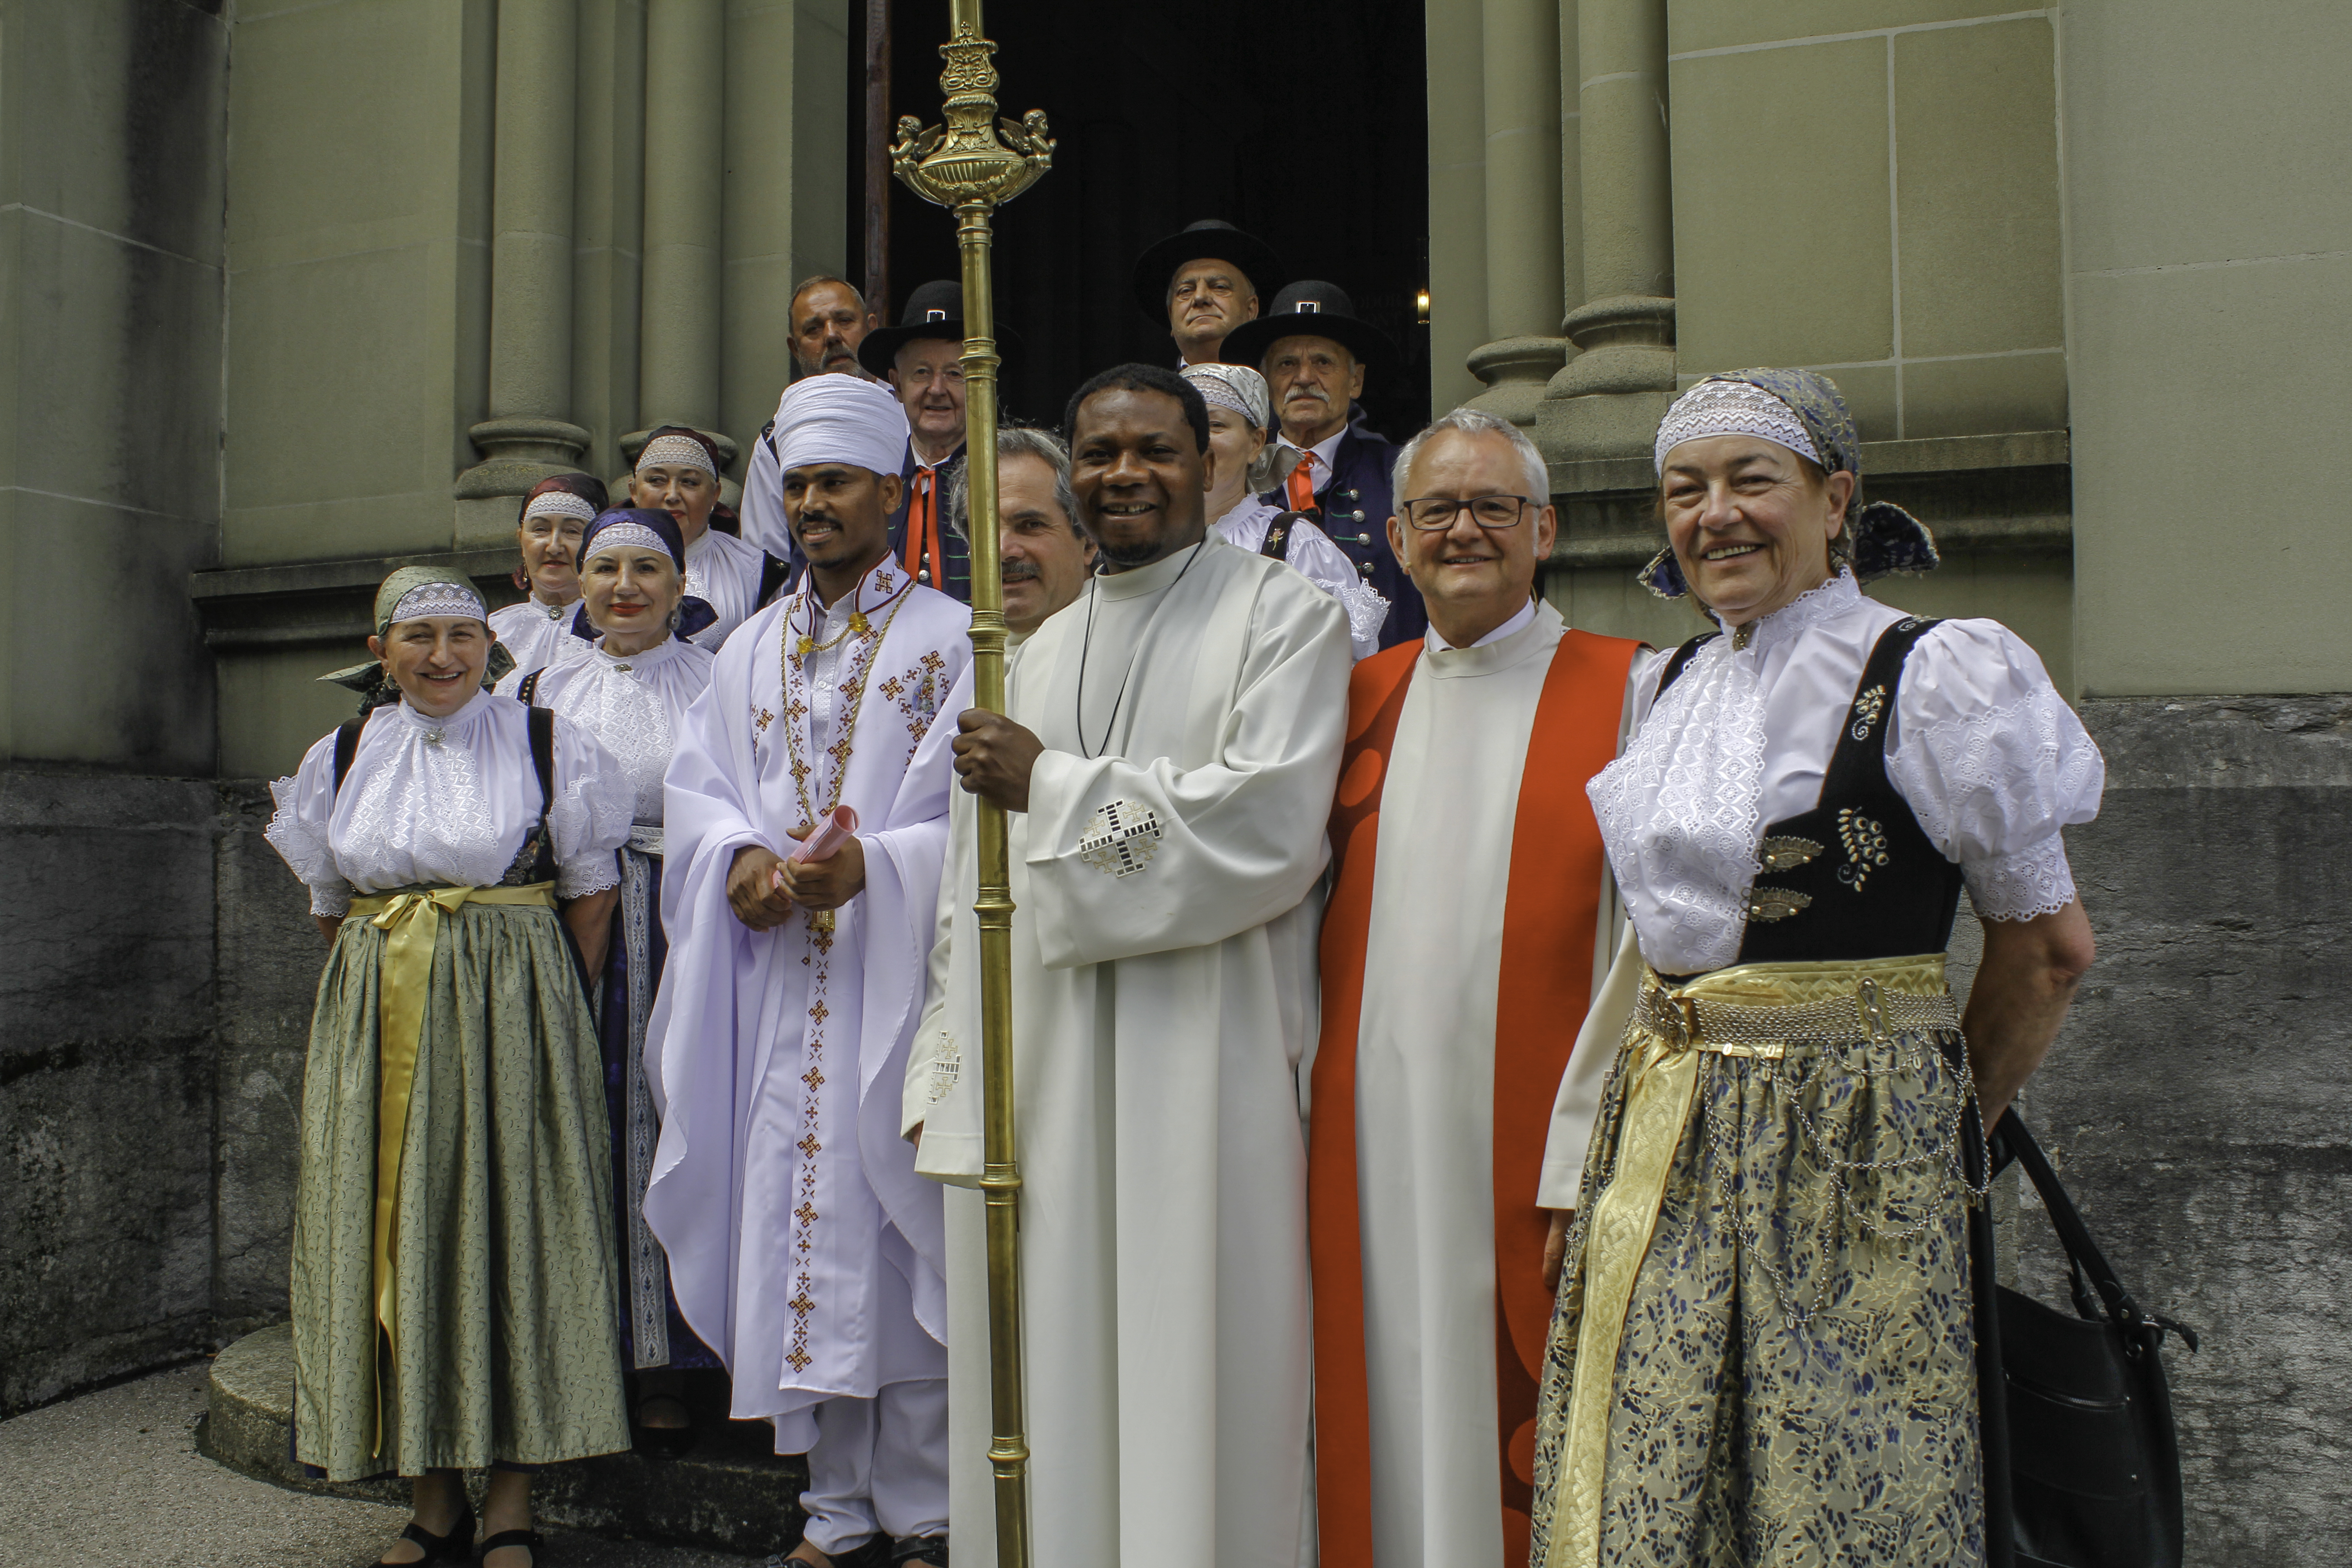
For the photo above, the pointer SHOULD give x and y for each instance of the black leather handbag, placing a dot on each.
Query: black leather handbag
(2093, 1468)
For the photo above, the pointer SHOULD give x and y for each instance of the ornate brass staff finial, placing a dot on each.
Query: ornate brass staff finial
(972, 164)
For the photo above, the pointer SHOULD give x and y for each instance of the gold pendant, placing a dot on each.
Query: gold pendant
(808, 646)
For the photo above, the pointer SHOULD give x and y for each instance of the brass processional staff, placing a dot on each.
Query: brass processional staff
(968, 167)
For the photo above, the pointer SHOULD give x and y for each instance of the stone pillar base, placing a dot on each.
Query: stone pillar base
(1608, 400)
(522, 451)
(1516, 371)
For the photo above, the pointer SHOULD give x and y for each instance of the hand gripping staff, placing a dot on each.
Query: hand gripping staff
(971, 165)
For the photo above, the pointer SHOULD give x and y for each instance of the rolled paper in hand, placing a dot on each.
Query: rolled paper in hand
(826, 842)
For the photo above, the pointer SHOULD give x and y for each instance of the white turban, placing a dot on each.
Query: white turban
(840, 419)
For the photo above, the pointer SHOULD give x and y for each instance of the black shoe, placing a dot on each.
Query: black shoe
(925, 1549)
(457, 1546)
(662, 1442)
(528, 1538)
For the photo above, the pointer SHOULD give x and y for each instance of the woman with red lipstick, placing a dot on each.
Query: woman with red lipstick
(677, 474)
(554, 514)
(630, 687)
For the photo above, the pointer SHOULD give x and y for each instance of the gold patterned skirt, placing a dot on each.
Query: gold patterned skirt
(477, 1319)
(1764, 1351)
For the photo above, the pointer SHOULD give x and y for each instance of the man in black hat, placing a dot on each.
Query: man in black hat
(1314, 351)
(1202, 281)
(922, 358)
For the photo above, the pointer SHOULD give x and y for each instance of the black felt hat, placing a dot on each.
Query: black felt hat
(1209, 238)
(1304, 307)
(933, 310)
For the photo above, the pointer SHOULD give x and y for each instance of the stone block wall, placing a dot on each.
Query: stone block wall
(2198, 1105)
(156, 967)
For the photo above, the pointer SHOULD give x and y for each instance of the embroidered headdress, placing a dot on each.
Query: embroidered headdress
(564, 495)
(675, 446)
(634, 527)
(410, 594)
(1804, 411)
(840, 419)
(1234, 386)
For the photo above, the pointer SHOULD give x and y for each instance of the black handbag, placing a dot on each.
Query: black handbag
(2094, 1466)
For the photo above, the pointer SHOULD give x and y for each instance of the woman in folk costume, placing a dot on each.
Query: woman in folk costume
(801, 1244)
(554, 514)
(454, 1294)
(630, 686)
(677, 473)
(1239, 416)
(1766, 1345)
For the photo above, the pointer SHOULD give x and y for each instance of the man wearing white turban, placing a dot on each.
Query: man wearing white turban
(802, 1247)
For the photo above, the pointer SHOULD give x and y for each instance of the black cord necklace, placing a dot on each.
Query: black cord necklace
(1079, 708)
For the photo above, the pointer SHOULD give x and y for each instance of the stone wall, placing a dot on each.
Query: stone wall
(2199, 1106)
(155, 979)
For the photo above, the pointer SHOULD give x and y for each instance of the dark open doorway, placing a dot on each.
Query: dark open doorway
(1305, 123)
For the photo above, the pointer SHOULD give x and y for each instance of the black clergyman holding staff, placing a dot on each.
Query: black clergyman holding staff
(1166, 760)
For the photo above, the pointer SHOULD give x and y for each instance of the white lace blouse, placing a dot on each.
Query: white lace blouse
(448, 802)
(537, 634)
(1320, 562)
(633, 703)
(724, 573)
(1990, 758)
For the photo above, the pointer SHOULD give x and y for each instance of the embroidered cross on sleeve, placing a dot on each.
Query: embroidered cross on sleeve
(1121, 839)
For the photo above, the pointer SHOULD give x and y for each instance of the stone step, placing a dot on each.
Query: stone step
(730, 1494)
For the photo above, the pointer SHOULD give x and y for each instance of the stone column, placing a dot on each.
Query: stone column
(1520, 67)
(528, 434)
(678, 313)
(1607, 401)
(1457, 201)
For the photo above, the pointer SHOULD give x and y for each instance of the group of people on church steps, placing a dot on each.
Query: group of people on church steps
(1487, 1093)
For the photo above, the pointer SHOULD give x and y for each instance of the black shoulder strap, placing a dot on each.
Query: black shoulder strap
(529, 690)
(775, 575)
(542, 754)
(1680, 659)
(347, 745)
(1862, 745)
(1276, 543)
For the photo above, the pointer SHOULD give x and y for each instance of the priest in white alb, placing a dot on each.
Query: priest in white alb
(1166, 764)
(1470, 918)
(802, 1247)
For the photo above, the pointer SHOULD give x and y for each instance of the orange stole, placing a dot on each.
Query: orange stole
(1544, 981)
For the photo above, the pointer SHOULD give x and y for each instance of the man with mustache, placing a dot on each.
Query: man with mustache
(1468, 924)
(829, 319)
(1046, 556)
(1204, 282)
(1166, 763)
(1314, 351)
(803, 1246)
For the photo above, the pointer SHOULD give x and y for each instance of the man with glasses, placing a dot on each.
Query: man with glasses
(1469, 924)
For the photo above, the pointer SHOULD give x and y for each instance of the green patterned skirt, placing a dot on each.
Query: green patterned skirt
(1764, 1351)
(503, 1307)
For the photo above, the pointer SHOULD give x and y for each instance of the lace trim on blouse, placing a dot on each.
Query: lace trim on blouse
(2035, 881)
(305, 850)
(588, 811)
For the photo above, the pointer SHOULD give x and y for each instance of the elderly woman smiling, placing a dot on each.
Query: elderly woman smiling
(1774, 1240)
(554, 515)
(630, 687)
(454, 1294)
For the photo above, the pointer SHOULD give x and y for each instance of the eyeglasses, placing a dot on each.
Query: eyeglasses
(1433, 514)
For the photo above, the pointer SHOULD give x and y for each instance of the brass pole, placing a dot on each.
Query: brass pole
(973, 166)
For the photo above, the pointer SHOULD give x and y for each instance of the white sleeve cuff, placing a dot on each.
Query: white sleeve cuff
(2035, 880)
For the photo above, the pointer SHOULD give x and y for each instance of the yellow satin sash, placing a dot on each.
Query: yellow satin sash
(412, 924)
(1660, 1070)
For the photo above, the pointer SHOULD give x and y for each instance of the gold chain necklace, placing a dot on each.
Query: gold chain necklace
(847, 725)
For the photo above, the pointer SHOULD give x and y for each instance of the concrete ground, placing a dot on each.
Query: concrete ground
(114, 1478)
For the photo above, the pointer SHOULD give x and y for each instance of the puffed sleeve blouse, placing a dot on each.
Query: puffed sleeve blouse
(1990, 758)
(448, 802)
